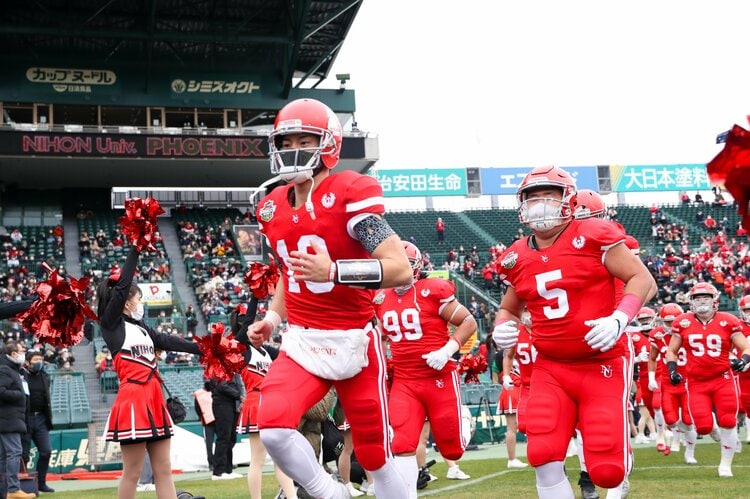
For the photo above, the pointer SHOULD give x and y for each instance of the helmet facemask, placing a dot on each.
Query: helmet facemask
(296, 166)
(542, 213)
(745, 315)
(703, 305)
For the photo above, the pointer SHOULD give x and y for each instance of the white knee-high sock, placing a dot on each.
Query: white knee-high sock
(747, 428)
(561, 490)
(388, 481)
(659, 421)
(292, 453)
(690, 435)
(728, 445)
(409, 471)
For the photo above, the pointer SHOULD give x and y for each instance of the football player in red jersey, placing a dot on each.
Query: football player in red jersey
(674, 400)
(583, 370)
(334, 247)
(415, 319)
(708, 337)
(745, 376)
(644, 398)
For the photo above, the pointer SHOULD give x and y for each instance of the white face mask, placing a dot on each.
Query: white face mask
(18, 360)
(163, 356)
(138, 313)
(543, 215)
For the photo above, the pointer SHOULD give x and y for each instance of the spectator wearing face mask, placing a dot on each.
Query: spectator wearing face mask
(39, 416)
(12, 418)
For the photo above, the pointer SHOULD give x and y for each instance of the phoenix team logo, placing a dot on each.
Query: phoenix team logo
(545, 258)
(578, 242)
(684, 323)
(425, 293)
(606, 371)
(267, 211)
(636, 337)
(328, 200)
(510, 260)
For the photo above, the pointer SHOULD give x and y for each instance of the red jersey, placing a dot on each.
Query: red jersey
(413, 324)
(257, 363)
(525, 355)
(632, 244)
(340, 201)
(707, 345)
(565, 285)
(660, 340)
(641, 344)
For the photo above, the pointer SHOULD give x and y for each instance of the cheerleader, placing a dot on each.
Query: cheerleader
(138, 420)
(257, 360)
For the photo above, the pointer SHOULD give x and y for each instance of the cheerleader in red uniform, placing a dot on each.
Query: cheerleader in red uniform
(257, 360)
(138, 420)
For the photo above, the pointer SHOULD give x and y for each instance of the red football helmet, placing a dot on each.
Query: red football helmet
(588, 204)
(745, 309)
(415, 258)
(668, 312)
(546, 213)
(304, 116)
(703, 289)
(645, 318)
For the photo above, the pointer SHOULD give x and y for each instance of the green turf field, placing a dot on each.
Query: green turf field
(654, 476)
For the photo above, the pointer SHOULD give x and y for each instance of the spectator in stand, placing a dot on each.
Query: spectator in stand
(107, 364)
(710, 223)
(685, 198)
(741, 230)
(440, 228)
(698, 198)
(612, 213)
(699, 216)
(488, 274)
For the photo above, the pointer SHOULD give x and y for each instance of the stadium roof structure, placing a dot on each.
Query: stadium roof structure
(290, 39)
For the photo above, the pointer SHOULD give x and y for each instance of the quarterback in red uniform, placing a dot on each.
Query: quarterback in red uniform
(674, 400)
(334, 247)
(708, 336)
(583, 370)
(415, 319)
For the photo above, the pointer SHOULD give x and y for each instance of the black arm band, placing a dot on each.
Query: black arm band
(359, 273)
(371, 231)
(671, 366)
(746, 358)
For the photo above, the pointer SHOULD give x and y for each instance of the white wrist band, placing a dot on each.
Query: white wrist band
(273, 317)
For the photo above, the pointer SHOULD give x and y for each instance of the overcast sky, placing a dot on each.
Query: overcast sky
(498, 83)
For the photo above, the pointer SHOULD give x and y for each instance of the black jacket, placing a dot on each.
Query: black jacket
(46, 383)
(12, 397)
(226, 392)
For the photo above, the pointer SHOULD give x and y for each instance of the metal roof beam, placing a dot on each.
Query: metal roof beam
(222, 37)
(327, 57)
(302, 9)
(330, 19)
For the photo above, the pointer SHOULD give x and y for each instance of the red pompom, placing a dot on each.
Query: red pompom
(471, 366)
(222, 356)
(262, 278)
(732, 167)
(139, 222)
(58, 315)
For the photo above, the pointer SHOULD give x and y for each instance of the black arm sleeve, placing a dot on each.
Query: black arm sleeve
(252, 309)
(112, 315)
(273, 352)
(13, 308)
(171, 342)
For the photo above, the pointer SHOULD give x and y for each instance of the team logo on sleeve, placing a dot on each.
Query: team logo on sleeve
(267, 211)
(510, 260)
(379, 299)
(425, 292)
(684, 323)
(328, 199)
(578, 242)
(636, 337)
(723, 323)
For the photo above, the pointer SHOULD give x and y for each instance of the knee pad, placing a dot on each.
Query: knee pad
(373, 455)
(401, 446)
(606, 474)
(727, 421)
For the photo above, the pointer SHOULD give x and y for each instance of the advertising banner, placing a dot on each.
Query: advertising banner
(505, 181)
(412, 183)
(657, 178)
(156, 293)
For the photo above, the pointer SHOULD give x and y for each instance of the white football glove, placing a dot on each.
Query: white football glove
(642, 357)
(652, 384)
(438, 358)
(606, 330)
(507, 382)
(505, 335)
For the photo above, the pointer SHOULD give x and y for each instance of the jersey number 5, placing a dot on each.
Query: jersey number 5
(551, 294)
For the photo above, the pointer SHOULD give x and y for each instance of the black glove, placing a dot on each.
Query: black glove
(674, 377)
(742, 364)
